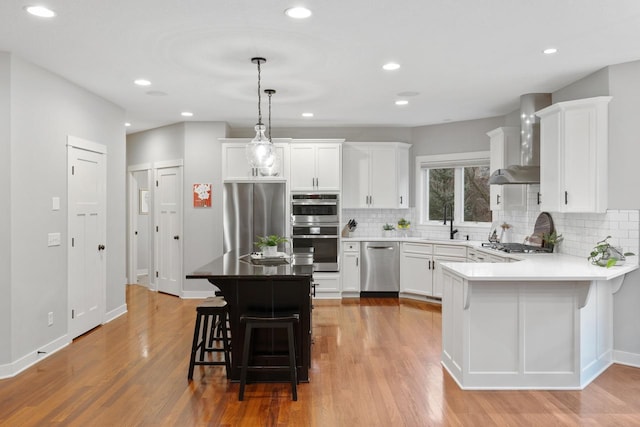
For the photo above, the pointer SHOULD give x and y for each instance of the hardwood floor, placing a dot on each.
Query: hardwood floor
(375, 362)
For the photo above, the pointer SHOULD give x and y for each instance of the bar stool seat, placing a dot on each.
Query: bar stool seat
(269, 321)
(212, 309)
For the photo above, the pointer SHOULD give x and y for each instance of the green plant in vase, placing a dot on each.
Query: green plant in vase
(605, 255)
(269, 244)
(403, 225)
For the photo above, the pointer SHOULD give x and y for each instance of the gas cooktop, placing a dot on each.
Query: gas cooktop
(516, 248)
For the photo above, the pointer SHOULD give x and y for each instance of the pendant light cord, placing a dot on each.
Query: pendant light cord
(259, 99)
(270, 93)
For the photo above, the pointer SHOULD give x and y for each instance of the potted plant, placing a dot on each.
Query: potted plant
(550, 240)
(269, 244)
(403, 225)
(605, 255)
(387, 230)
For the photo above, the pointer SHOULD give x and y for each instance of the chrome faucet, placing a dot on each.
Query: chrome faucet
(452, 232)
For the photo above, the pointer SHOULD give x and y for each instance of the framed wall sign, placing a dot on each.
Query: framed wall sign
(201, 195)
(143, 197)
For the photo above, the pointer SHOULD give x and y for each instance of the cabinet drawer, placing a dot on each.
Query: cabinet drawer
(351, 246)
(418, 248)
(450, 250)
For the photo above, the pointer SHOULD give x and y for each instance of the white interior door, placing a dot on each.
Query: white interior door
(86, 186)
(168, 230)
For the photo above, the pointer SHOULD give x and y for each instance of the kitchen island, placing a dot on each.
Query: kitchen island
(266, 286)
(545, 322)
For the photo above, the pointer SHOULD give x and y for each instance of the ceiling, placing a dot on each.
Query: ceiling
(466, 59)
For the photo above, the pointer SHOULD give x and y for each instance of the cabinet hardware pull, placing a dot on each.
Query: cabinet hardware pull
(565, 198)
(538, 197)
(400, 199)
(497, 199)
(356, 262)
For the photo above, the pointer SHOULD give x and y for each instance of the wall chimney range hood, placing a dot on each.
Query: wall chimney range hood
(528, 171)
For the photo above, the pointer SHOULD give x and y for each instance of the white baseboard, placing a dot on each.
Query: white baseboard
(14, 368)
(115, 313)
(142, 272)
(625, 358)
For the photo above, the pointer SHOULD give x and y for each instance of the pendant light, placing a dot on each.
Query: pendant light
(259, 150)
(274, 162)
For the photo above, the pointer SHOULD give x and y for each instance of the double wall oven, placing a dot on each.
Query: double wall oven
(315, 230)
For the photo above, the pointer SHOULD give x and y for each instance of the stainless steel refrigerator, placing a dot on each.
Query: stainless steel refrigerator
(251, 210)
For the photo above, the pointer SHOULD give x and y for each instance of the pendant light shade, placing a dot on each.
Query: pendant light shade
(273, 168)
(260, 150)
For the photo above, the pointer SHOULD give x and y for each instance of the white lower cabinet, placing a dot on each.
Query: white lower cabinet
(350, 269)
(420, 272)
(415, 269)
(327, 285)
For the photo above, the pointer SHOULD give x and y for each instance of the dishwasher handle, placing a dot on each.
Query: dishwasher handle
(381, 247)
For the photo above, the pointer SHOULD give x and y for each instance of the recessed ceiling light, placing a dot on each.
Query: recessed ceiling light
(402, 102)
(390, 66)
(40, 11)
(408, 93)
(142, 82)
(186, 114)
(127, 124)
(307, 114)
(156, 93)
(298, 12)
(550, 51)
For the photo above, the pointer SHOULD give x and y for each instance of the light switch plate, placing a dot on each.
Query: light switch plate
(54, 239)
(55, 203)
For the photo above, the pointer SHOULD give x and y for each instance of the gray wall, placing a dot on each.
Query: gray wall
(5, 209)
(45, 109)
(202, 226)
(197, 144)
(621, 82)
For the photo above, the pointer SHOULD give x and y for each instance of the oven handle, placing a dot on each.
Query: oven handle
(312, 203)
(314, 236)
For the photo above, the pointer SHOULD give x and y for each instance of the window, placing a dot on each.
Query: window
(457, 182)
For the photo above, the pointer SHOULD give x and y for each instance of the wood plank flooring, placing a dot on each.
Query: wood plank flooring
(375, 362)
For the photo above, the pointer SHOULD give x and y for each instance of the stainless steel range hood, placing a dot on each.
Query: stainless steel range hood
(528, 171)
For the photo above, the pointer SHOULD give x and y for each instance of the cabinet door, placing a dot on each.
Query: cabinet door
(505, 151)
(580, 160)
(328, 167)
(383, 187)
(236, 167)
(351, 272)
(415, 274)
(550, 179)
(402, 168)
(303, 167)
(235, 164)
(355, 169)
(437, 272)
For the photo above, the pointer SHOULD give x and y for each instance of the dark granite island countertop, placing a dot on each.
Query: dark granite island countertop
(267, 286)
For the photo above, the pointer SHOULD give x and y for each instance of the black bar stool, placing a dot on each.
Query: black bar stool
(216, 310)
(268, 321)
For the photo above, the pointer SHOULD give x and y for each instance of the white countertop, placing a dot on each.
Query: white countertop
(545, 267)
(531, 267)
(410, 239)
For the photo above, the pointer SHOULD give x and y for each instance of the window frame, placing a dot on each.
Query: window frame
(456, 161)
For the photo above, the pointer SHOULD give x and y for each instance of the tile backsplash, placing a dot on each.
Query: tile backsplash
(580, 231)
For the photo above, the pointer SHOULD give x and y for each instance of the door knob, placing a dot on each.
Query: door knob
(101, 247)
(176, 237)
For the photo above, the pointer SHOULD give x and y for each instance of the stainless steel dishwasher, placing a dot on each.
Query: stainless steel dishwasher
(380, 270)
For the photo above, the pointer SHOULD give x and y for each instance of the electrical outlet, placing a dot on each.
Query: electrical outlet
(50, 318)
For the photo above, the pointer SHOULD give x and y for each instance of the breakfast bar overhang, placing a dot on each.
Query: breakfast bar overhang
(545, 322)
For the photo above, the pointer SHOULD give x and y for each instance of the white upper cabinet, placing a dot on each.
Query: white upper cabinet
(376, 175)
(235, 165)
(316, 165)
(573, 155)
(505, 151)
